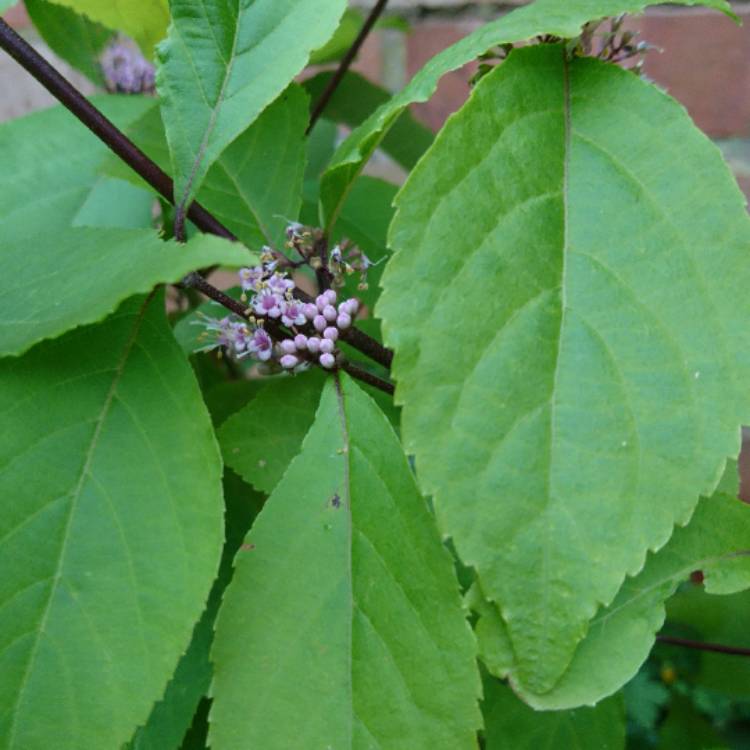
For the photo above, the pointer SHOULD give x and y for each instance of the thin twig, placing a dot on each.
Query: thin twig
(367, 377)
(120, 144)
(345, 63)
(717, 648)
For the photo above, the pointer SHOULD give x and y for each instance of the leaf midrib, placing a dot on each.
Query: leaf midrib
(100, 420)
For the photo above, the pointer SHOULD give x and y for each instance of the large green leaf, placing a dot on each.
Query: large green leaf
(144, 20)
(171, 717)
(255, 186)
(110, 529)
(54, 282)
(261, 439)
(73, 37)
(50, 162)
(571, 335)
(116, 203)
(622, 634)
(509, 724)
(356, 98)
(563, 19)
(221, 66)
(342, 627)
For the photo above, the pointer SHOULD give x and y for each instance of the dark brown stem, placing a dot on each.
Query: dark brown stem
(367, 377)
(345, 63)
(717, 648)
(26, 56)
(120, 144)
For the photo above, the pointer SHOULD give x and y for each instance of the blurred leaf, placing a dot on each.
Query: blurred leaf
(355, 99)
(335, 48)
(73, 37)
(50, 164)
(509, 724)
(145, 21)
(686, 729)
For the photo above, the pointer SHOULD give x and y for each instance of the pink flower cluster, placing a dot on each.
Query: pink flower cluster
(323, 320)
(328, 320)
(125, 70)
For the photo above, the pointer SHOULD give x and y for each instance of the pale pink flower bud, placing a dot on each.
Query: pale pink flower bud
(327, 360)
(310, 311)
(350, 307)
(331, 333)
(321, 302)
(288, 346)
(288, 361)
(330, 296)
(313, 344)
(320, 323)
(327, 346)
(300, 341)
(329, 313)
(343, 320)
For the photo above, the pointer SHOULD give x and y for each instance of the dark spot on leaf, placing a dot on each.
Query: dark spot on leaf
(696, 577)
(336, 500)
(247, 547)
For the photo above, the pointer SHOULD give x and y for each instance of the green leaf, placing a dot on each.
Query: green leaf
(343, 620)
(621, 635)
(5, 4)
(222, 66)
(364, 221)
(686, 729)
(78, 276)
(509, 724)
(715, 619)
(568, 328)
(145, 20)
(345, 34)
(538, 18)
(116, 203)
(356, 98)
(73, 37)
(255, 187)
(110, 529)
(260, 440)
(172, 716)
(50, 163)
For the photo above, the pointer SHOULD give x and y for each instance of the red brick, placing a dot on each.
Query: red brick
(705, 65)
(17, 16)
(426, 40)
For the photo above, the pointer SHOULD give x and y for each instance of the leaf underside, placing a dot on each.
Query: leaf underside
(110, 529)
(568, 307)
(343, 620)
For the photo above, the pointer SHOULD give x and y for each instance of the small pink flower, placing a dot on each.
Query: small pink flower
(268, 303)
(261, 345)
(327, 346)
(288, 346)
(311, 311)
(280, 284)
(331, 333)
(343, 321)
(329, 313)
(292, 313)
(250, 278)
(300, 341)
(320, 323)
